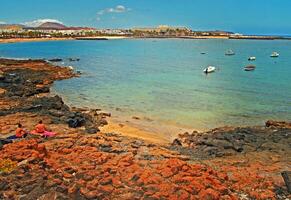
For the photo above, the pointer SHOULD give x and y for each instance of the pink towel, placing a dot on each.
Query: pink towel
(49, 134)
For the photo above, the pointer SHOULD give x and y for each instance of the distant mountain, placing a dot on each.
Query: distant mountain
(11, 26)
(43, 26)
(52, 25)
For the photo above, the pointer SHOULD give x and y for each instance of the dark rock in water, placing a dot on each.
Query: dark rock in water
(74, 59)
(56, 60)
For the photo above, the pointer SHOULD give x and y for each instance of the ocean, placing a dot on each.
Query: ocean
(162, 80)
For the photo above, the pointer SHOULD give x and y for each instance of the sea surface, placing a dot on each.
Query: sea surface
(162, 80)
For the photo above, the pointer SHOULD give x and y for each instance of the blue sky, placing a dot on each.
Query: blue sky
(244, 16)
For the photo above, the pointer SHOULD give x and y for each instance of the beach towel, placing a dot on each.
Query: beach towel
(49, 134)
(12, 137)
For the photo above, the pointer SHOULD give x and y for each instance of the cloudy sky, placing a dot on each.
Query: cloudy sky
(245, 16)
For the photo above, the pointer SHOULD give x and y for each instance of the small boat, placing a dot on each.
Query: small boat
(209, 69)
(275, 55)
(250, 68)
(252, 58)
(229, 53)
(203, 53)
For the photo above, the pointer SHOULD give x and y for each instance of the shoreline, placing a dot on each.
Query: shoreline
(85, 163)
(151, 131)
(17, 40)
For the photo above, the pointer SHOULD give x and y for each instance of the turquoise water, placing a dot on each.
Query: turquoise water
(163, 80)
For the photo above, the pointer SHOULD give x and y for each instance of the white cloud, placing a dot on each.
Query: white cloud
(39, 22)
(2, 22)
(117, 9)
(101, 12)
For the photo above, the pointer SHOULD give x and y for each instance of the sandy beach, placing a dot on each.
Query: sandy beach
(15, 40)
(135, 132)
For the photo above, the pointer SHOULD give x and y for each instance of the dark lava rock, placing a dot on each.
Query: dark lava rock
(4, 185)
(56, 60)
(226, 141)
(177, 142)
(76, 120)
(23, 84)
(74, 59)
(92, 130)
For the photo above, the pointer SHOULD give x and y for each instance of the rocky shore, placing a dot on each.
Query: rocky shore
(83, 163)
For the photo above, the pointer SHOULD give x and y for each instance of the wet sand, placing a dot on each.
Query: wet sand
(135, 132)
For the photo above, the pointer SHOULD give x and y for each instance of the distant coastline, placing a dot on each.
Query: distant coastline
(55, 31)
(16, 40)
(254, 37)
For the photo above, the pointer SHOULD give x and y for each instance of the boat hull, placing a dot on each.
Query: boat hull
(209, 70)
(250, 68)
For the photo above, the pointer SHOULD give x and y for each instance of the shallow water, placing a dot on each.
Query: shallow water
(163, 80)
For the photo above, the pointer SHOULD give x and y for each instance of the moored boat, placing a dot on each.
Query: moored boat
(209, 69)
(250, 68)
(252, 58)
(229, 52)
(275, 55)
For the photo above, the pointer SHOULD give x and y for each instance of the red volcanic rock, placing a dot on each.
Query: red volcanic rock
(105, 189)
(125, 161)
(183, 195)
(195, 187)
(209, 194)
(167, 172)
(67, 151)
(72, 190)
(166, 189)
(83, 171)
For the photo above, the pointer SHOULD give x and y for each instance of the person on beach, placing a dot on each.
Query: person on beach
(40, 129)
(19, 133)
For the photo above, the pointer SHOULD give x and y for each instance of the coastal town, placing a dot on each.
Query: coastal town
(57, 30)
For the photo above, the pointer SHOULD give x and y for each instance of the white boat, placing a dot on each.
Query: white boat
(209, 69)
(229, 53)
(252, 58)
(275, 55)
